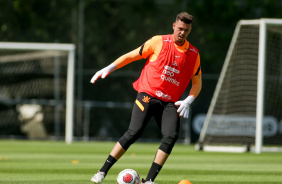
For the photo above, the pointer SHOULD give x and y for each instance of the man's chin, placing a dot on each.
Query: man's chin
(180, 42)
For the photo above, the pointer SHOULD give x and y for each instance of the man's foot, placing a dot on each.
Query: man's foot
(147, 182)
(98, 177)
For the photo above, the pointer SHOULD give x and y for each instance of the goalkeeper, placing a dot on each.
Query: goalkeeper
(171, 63)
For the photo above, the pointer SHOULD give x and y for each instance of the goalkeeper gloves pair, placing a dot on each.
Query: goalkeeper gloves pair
(183, 105)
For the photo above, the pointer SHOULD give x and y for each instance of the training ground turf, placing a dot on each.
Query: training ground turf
(38, 162)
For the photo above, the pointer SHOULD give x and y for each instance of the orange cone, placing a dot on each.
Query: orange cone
(184, 182)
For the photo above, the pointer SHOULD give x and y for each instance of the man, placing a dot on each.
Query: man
(171, 63)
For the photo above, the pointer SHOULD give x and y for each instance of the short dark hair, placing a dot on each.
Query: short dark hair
(184, 17)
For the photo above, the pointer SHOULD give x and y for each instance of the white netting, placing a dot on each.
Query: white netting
(32, 77)
(233, 117)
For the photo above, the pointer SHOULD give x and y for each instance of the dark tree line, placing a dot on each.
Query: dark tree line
(114, 27)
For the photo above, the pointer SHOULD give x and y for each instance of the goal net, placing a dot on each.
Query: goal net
(36, 89)
(246, 108)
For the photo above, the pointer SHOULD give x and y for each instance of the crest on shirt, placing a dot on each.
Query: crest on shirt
(146, 99)
(174, 63)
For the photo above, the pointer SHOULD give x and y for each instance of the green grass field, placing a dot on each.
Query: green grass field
(51, 162)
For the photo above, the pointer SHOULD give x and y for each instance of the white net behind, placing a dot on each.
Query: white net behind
(35, 80)
(233, 117)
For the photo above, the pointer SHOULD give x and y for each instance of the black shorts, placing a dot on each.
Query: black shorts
(165, 114)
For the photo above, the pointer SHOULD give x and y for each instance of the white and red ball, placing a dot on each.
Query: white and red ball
(128, 176)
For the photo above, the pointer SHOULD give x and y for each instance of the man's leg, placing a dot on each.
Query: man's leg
(169, 123)
(139, 120)
(161, 157)
(115, 154)
(117, 151)
(157, 165)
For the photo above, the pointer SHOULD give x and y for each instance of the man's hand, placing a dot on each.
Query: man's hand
(103, 73)
(184, 106)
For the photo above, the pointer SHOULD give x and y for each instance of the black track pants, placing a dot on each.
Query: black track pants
(165, 114)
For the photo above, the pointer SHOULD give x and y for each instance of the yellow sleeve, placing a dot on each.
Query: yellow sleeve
(197, 68)
(149, 47)
(127, 58)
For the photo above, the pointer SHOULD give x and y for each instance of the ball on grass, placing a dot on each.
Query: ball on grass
(128, 176)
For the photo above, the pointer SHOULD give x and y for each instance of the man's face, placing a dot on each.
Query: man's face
(181, 31)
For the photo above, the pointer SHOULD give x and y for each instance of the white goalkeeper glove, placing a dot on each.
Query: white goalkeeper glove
(103, 73)
(184, 106)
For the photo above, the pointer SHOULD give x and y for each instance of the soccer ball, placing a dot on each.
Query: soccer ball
(128, 176)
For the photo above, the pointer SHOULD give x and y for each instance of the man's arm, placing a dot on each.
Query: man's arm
(147, 49)
(118, 63)
(127, 58)
(194, 92)
(196, 85)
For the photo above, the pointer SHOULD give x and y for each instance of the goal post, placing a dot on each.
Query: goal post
(246, 106)
(19, 52)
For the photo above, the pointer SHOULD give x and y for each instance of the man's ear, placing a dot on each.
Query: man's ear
(173, 25)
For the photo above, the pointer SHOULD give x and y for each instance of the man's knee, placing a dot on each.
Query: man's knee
(128, 138)
(168, 144)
